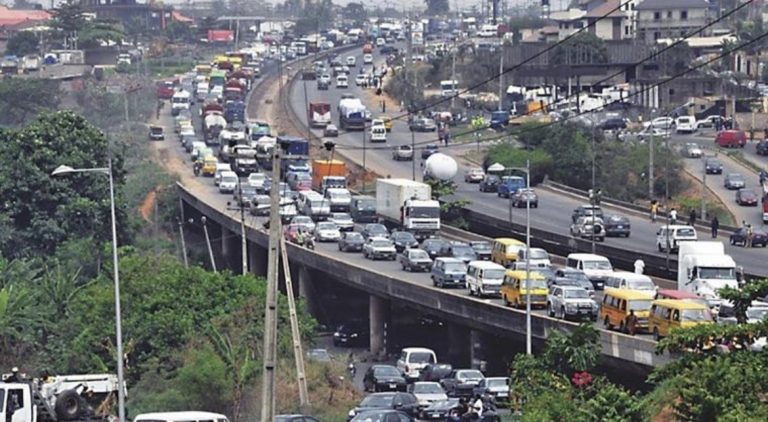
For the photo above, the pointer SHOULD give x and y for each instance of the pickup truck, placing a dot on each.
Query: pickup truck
(415, 260)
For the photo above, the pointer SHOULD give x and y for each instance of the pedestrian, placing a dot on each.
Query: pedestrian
(673, 216)
(750, 235)
(654, 210)
(715, 224)
(692, 217)
(639, 266)
(14, 377)
(631, 323)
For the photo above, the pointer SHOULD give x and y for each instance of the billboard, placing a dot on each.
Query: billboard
(221, 35)
(417, 38)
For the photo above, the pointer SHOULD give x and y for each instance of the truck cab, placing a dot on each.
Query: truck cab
(509, 186)
(704, 269)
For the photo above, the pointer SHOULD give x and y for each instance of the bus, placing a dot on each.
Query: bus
(448, 88)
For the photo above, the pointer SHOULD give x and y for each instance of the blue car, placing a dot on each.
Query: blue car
(509, 186)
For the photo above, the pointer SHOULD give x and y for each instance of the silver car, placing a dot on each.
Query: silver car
(571, 302)
(379, 248)
(584, 227)
(327, 232)
(733, 181)
(342, 220)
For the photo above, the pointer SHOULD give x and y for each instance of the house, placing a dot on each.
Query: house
(14, 20)
(610, 21)
(568, 21)
(670, 18)
(152, 16)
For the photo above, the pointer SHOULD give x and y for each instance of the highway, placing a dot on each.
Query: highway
(554, 212)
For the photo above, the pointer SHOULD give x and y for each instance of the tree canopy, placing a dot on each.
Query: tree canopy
(437, 7)
(582, 48)
(22, 43)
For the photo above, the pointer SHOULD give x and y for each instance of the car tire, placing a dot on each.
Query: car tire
(562, 312)
(549, 310)
(504, 300)
(622, 327)
(733, 242)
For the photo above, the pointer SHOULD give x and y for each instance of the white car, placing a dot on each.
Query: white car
(685, 124)
(257, 180)
(342, 81)
(351, 61)
(379, 248)
(342, 220)
(368, 59)
(327, 232)
(361, 79)
(228, 182)
(220, 168)
(693, 150)
(325, 78)
(305, 221)
(427, 392)
(584, 227)
(653, 132)
(381, 42)
(660, 122)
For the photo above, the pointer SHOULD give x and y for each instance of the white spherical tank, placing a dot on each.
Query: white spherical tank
(441, 166)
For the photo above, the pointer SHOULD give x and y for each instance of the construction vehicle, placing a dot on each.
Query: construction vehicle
(70, 398)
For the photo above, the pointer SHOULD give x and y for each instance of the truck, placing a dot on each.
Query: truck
(234, 111)
(319, 114)
(703, 268)
(243, 160)
(9, 65)
(213, 124)
(322, 169)
(297, 147)
(351, 114)
(367, 48)
(180, 101)
(31, 63)
(408, 205)
(58, 398)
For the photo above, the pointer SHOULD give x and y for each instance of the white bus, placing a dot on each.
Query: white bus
(448, 88)
(190, 416)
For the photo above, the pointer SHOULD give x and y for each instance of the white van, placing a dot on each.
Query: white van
(220, 168)
(367, 58)
(342, 81)
(180, 101)
(685, 124)
(351, 61)
(668, 238)
(484, 278)
(314, 205)
(191, 416)
(598, 268)
(633, 281)
(413, 359)
(379, 133)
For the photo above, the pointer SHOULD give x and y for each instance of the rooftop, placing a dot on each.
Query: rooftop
(672, 4)
(610, 7)
(13, 17)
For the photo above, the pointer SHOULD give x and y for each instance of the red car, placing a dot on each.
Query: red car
(731, 138)
(746, 197)
(291, 231)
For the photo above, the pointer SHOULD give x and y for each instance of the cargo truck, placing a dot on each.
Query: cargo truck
(351, 114)
(234, 111)
(704, 268)
(409, 205)
(322, 169)
(319, 114)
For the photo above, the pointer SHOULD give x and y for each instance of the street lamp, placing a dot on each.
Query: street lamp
(527, 171)
(64, 170)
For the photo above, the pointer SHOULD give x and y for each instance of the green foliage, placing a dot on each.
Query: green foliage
(541, 161)
(582, 48)
(97, 32)
(703, 338)
(675, 60)
(22, 43)
(742, 298)
(577, 352)
(437, 7)
(355, 11)
(23, 99)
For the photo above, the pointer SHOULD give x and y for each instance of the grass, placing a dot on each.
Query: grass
(739, 156)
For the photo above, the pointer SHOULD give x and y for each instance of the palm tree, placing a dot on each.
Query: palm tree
(239, 360)
(19, 318)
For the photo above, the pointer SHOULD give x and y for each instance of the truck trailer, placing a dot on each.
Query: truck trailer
(409, 205)
(322, 169)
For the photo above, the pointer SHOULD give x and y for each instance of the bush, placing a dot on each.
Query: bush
(509, 156)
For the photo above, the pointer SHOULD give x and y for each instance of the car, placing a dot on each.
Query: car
(351, 242)
(462, 251)
(579, 276)
(368, 58)
(746, 197)
(404, 240)
(509, 185)
(663, 122)
(759, 237)
(762, 147)
(304, 221)
(586, 211)
(294, 418)
(428, 150)
(383, 378)
(713, 166)
(323, 85)
(326, 231)
(402, 401)
(571, 302)
(257, 180)
(435, 371)
(228, 182)
(354, 333)
(448, 272)
(427, 392)
(291, 231)
(733, 181)
(244, 194)
(379, 248)
(462, 382)
(497, 387)
(319, 355)
(361, 79)
(441, 410)
(156, 133)
(436, 247)
(616, 225)
(325, 77)
(299, 181)
(188, 140)
(351, 61)
(482, 249)
(709, 122)
(653, 133)
(402, 153)
(731, 138)
(331, 131)
(342, 220)
(375, 230)
(382, 415)
(422, 124)
(415, 260)
(490, 183)
(613, 123)
(523, 197)
(260, 205)
(685, 124)
(585, 227)
(474, 175)
(693, 150)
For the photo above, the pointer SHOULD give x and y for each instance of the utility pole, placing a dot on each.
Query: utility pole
(243, 238)
(298, 354)
(501, 72)
(650, 164)
(528, 259)
(270, 317)
(183, 244)
(208, 242)
(453, 76)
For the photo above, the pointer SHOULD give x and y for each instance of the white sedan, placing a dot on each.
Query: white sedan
(327, 232)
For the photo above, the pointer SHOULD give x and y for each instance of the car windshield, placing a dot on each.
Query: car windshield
(748, 194)
(496, 382)
(302, 220)
(248, 190)
(463, 251)
(366, 205)
(427, 388)
(326, 226)
(639, 304)
(597, 265)
(539, 254)
(470, 374)
(696, 315)
(421, 357)
(686, 232)
(377, 228)
(494, 274)
(735, 177)
(513, 248)
(318, 203)
(380, 243)
(341, 217)
(717, 273)
(482, 246)
(455, 267)
(375, 400)
(641, 285)
(575, 294)
(419, 254)
(386, 371)
(229, 179)
(255, 177)
(534, 284)
(714, 163)
(354, 236)
(340, 195)
(403, 236)
(424, 212)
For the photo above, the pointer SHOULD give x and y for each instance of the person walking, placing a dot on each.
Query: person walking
(750, 235)
(631, 323)
(673, 216)
(714, 225)
(692, 217)
(639, 266)
(654, 210)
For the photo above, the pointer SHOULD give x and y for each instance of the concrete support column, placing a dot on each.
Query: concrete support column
(230, 250)
(378, 311)
(478, 350)
(459, 342)
(306, 289)
(257, 259)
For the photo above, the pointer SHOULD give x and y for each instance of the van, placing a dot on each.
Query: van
(596, 267)
(342, 81)
(220, 168)
(378, 133)
(731, 138)
(312, 204)
(504, 250)
(632, 281)
(484, 278)
(668, 314)
(338, 199)
(192, 416)
(449, 272)
(680, 295)
(209, 166)
(668, 237)
(413, 359)
(617, 303)
(362, 209)
(515, 289)
(685, 124)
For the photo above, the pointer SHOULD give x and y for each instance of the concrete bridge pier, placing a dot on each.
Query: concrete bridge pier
(478, 350)
(306, 289)
(257, 259)
(459, 344)
(378, 312)
(230, 250)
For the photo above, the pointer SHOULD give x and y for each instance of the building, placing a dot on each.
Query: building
(658, 19)
(153, 16)
(14, 20)
(610, 21)
(567, 21)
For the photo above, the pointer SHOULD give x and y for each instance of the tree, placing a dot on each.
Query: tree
(22, 43)
(23, 99)
(98, 32)
(355, 11)
(69, 18)
(437, 7)
(676, 59)
(582, 48)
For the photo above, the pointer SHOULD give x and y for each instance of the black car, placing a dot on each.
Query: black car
(762, 147)
(713, 166)
(404, 402)
(746, 197)
(244, 194)
(614, 123)
(428, 150)
(759, 237)
(616, 225)
(440, 410)
(482, 249)
(463, 252)
(490, 183)
(375, 230)
(383, 415)
(404, 240)
(383, 378)
(436, 247)
(351, 334)
(435, 372)
(322, 85)
(351, 242)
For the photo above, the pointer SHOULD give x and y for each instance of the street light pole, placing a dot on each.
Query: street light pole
(62, 170)
(528, 258)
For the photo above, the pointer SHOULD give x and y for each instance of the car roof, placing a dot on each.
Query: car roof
(486, 265)
(680, 304)
(628, 294)
(417, 350)
(449, 260)
(590, 255)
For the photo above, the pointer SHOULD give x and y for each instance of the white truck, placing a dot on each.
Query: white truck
(72, 398)
(31, 63)
(704, 268)
(180, 101)
(408, 204)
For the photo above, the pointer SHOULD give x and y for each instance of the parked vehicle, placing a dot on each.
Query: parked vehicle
(669, 237)
(351, 334)
(759, 237)
(186, 416)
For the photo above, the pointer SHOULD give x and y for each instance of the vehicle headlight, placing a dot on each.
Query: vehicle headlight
(335, 334)
(351, 413)
(354, 335)
(570, 306)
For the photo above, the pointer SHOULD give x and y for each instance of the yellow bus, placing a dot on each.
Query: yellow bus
(617, 304)
(668, 314)
(515, 287)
